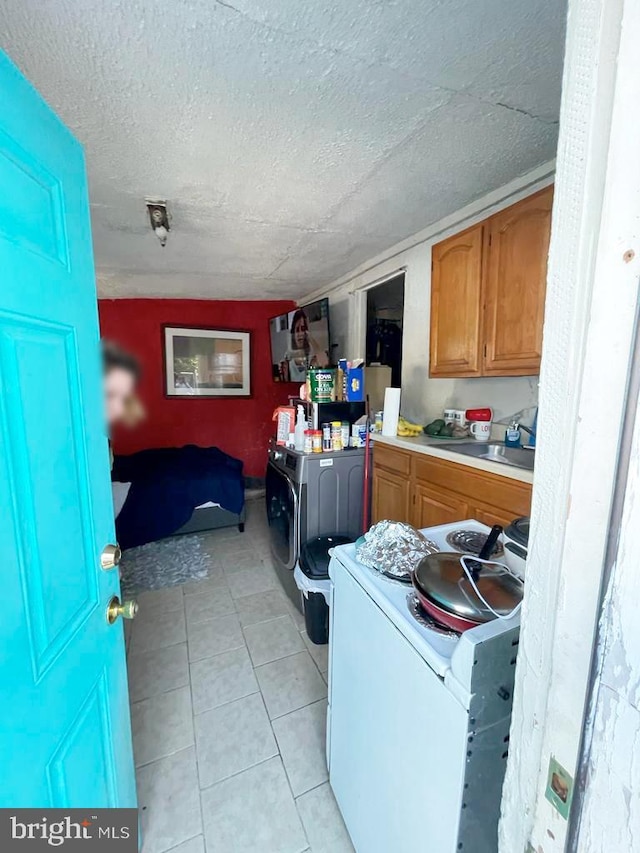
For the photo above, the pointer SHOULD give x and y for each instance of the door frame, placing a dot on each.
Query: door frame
(589, 335)
(359, 313)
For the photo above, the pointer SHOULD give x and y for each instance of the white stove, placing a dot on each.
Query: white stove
(438, 650)
(418, 720)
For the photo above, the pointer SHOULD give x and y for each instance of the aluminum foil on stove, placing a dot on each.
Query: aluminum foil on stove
(394, 548)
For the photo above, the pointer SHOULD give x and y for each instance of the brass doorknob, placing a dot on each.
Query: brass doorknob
(126, 609)
(110, 557)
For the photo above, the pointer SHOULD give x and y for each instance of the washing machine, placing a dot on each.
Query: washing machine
(309, 495)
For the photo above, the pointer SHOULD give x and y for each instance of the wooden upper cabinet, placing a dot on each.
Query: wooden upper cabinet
(488, 287)
(515, 286)
(455, 346)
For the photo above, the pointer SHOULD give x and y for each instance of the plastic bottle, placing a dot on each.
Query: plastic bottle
(301, 426)
(512, 435)
(308, 443)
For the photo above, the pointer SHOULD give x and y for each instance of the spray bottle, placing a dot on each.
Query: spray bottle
(301, 426)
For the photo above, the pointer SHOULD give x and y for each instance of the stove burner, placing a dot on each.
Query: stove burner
(420, 615)
(471, 542)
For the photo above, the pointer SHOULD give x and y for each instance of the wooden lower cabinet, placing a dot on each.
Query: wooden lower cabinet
(491, 515)
(435, 506)
(425, 491)
(390, 496)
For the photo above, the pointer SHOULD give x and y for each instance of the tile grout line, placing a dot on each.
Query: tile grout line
(240, 772)
(175, 846)
(216, 654)
(163, 757)
(278, 755)
(224, 704)
(315, 788)
(283, 657)
(266, 622)
(193, 726)
(208, 657)
(164, 692)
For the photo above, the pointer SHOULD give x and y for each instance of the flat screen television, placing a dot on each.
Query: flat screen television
(300, 340)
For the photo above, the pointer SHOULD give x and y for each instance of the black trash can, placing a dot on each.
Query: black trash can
(314, 563)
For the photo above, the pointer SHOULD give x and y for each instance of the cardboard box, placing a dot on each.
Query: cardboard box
(355, 384)
(286, 420)
(377, 377)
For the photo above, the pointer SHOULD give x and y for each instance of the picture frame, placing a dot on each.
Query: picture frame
(201, 361)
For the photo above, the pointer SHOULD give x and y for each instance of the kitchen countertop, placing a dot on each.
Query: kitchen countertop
(440, 449)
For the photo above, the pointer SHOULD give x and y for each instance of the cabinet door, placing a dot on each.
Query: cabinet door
(437, 506)
(487, 514)
(389, 497)
(456, 277)
(515, 286)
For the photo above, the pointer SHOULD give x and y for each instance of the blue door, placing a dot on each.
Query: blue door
(65, 738)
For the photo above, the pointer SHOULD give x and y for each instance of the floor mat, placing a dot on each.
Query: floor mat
(165, 563)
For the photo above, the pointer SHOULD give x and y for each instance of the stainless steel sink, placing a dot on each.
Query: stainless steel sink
(495, 452)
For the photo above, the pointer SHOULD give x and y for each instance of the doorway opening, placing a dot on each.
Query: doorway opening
(385, 311)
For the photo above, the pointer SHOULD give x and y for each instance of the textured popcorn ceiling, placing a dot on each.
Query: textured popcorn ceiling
(294, 139)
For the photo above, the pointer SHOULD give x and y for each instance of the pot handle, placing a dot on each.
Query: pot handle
(475, 564)
(492, 538)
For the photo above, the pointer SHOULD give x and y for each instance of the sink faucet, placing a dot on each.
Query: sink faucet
(528, 430)
(525, 428)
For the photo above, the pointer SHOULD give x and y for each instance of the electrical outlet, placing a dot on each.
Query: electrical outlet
(559, 790)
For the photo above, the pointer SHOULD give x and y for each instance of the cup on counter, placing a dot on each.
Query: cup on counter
(455, 416)
(480, 430)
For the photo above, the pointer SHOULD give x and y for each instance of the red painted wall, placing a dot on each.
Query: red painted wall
(239, 426)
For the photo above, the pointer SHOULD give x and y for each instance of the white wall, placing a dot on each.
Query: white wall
(424, 398)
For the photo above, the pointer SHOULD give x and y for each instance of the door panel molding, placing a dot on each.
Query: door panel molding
(52, 622)
(32, 218)
(92, 714)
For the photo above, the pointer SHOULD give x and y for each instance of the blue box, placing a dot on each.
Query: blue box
(355, 385)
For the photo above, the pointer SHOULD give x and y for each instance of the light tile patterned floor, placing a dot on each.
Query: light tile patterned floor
(229, 711)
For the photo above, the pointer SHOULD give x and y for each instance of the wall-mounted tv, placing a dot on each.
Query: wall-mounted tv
(300, 340)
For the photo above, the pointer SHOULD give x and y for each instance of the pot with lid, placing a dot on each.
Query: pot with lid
(463, 591)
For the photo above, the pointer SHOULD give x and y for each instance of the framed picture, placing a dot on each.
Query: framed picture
(202, 362)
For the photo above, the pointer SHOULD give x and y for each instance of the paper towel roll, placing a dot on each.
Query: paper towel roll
(391, 411)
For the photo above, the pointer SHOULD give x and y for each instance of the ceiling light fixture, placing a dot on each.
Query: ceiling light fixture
(159, 218)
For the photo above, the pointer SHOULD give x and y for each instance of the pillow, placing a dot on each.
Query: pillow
(120, 492)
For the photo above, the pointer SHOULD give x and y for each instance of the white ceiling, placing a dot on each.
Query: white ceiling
(294, 139)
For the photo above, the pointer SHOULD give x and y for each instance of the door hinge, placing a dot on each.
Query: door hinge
(490, 239)
(485, 350)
